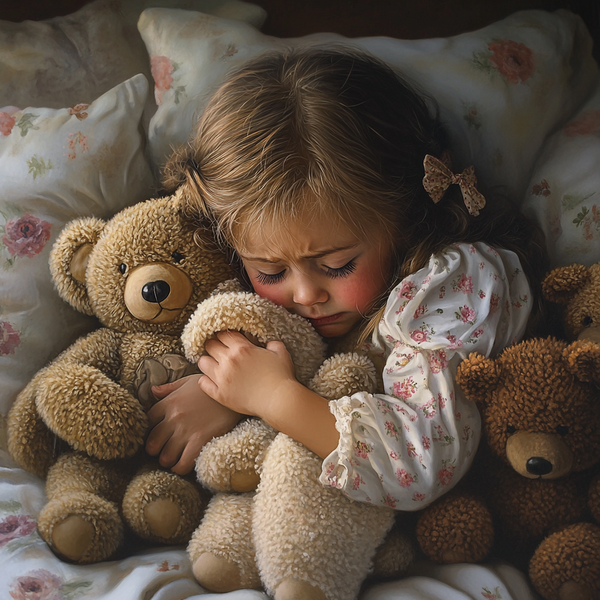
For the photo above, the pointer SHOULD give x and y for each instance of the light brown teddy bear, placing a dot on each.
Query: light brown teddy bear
(293, 536)
(577, 289)
(531, 494)
(81, 421)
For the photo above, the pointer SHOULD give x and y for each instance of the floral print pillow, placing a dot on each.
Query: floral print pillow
(564, 192)
(490, 84)
(57, 165)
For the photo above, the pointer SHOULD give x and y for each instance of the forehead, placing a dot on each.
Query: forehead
(297, 237)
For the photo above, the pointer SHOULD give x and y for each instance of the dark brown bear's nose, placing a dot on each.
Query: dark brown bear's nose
(156, 291)
(538, 466)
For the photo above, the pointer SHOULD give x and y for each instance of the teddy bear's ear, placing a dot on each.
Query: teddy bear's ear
(476, 375)
(69, 258)
(561, 284)
(583, 360)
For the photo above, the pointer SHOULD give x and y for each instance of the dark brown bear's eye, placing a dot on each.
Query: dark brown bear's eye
(562, 430)
(177, 257)
(510, 429)
(123, 268)
(587, 321)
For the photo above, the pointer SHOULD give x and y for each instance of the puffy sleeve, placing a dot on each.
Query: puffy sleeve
(405, 447)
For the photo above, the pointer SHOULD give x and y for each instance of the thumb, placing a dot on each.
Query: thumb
(160, 391)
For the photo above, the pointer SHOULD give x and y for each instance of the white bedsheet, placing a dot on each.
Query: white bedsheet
(29, 570)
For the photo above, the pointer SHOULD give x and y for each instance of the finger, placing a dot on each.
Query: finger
(207, 365)
(171, 452)
(231, 337)
(278, 348)
(156, 414)
(208, 386)
(187, 461)
(161, 391)
(157, 438)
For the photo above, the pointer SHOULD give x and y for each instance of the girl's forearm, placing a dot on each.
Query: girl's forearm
(304, 416)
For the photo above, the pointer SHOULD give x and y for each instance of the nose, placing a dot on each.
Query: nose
(307, 292)
(156, 291)
(538, 466)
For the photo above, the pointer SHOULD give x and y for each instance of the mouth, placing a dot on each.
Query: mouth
(325, 320)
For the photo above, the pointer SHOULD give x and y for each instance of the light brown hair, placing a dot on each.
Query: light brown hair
(339, 129)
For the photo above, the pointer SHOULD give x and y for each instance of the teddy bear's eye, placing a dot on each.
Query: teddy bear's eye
(510, 429)
(123, 268)
(562, 430)
(587, 321)
(177, 257)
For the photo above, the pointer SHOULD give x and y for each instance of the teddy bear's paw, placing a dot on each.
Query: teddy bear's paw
(231, 463)
(163, 507)
(221, 549)
(90, 412)
(216, 574)
(81, 527)
(395, 555)
(343, 375)
(566, 565)
(295, 589)
(457, 528)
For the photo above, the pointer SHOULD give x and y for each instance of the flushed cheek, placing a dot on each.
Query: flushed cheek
(274, 293)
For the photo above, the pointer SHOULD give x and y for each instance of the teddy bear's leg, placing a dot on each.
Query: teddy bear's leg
(456, 528)
(232, 461)
(163, 507)
(81, 521)
(312, 542)
(566, 565)
(398, 550)
(221, 549)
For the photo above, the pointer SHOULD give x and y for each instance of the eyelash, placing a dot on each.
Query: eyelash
(347, 269)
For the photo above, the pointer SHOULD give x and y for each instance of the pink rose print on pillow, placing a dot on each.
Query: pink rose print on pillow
(15, 526)
(7, 122)
(9, 340)
(37, 585)
(161, 68)
(26, 235)
(513, 60)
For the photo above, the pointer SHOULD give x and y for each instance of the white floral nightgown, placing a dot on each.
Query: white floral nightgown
(406, 447)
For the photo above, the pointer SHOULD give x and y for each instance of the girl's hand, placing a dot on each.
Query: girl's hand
(242, 376)
(183, 421)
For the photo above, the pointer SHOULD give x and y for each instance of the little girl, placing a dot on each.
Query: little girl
(330, 181)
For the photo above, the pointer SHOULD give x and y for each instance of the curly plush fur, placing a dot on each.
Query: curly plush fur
(81, 421)
(532, 487)
(293, 536)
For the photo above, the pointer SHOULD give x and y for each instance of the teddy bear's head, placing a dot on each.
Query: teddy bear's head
(577, 288)
(144, 270)
(540, 404)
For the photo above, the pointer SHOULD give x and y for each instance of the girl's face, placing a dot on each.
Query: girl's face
(320, 270)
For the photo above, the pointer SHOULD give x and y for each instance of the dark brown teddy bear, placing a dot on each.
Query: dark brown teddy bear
(532, 492)
(577, 289)
(81, 421)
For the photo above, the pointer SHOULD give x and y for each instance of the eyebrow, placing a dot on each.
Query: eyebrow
(314, 255)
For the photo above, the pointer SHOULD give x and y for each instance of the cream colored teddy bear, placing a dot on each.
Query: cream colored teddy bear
(293, 536)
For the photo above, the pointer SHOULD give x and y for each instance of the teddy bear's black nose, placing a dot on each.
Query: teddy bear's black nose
(156, 291)
(538, 466)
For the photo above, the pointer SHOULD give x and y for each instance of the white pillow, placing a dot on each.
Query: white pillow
(56, 165)
(564, 191)
(501, 89)
(75, 58)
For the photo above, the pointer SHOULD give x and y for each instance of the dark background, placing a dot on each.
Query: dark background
(408, 19)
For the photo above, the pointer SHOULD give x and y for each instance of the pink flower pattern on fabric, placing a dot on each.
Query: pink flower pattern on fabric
(26, 235)
(419, 425)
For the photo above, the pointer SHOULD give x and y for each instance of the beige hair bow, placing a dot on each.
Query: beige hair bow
(438, 178)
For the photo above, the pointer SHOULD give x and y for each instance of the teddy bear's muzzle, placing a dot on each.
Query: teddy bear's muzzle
(157, 292)
(539, 455)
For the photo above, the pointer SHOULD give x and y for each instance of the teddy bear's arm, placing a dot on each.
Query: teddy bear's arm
(80, 401)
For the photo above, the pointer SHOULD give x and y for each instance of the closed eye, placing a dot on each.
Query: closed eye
(270, 279)
(344, 271)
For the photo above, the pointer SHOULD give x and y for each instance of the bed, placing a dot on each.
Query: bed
(91, 103)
